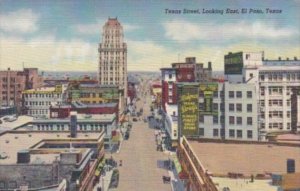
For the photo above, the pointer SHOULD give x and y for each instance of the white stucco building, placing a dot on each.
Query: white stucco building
(37, 102)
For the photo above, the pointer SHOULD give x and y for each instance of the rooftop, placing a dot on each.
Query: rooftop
(12, 142)
(10, 125)
(244, 184)
(80, 118)
(247, 159)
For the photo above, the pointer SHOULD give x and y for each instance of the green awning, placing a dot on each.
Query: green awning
(99, 167)
(177, 164)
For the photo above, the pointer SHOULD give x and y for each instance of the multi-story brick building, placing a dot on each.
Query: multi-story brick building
(188, 71)
(12, 84)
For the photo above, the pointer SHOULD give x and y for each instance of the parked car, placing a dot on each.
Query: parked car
(134, 119)
(114, 182)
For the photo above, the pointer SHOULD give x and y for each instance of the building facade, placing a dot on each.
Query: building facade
(37, 102)
(241, 111)
(112, 67)
(12, 84)
(274, 81)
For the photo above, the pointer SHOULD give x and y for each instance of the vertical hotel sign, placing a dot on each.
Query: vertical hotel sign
(188, 109)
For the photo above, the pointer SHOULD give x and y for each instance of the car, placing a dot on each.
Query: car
(134, 119)
(114, 182)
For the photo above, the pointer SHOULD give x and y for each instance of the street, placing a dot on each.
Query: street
(142, 167)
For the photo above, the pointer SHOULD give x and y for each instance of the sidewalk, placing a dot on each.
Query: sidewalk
(176, 183)
(106, 179)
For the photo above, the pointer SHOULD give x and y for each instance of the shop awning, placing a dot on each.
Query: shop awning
(99, 167)
(177, 164)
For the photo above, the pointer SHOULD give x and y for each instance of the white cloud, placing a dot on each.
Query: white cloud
(20, 21)
(184, 31)
(47, 53)
(88, 29)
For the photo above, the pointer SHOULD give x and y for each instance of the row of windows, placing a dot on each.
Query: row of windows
(239, 94)
(279, 77)
(232, 133)
(5, 79)
(30, 103)
(275, 102)
(239, 107)
(11, 86)
(38, 112)
(239, 133)
(92, 128)
(50, 127)
(276, 114)
(48, 95)
(239, 120)
(11, 92)
(275, 125)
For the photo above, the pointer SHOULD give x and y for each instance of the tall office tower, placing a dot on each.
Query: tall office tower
(113, 56)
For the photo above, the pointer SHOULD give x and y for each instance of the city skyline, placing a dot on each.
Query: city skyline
(64, 35)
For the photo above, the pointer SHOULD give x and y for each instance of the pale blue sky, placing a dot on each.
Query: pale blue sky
(64, 35)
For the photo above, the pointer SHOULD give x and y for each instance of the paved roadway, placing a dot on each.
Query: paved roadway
(141, 169)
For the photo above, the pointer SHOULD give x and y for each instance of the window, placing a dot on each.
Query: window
(215, 94)
(201, 106)
(288, 125)
(239, 107)
(215, 132)
(249, 134)
(239, 121)
(201, 118)
(249, 107)
(215, 119)
(239, 94)
(239, 133)
(262, 77)
(201, 131)
(231, 119)
(170, 76)
(249, 94)
(222, 107)
(2, 184)
(201, 94)
(231, 94)
(231, 107)
(222, 119)
(215, 107)
(288, 114)
(221, 94)
(249, 120)
(231, 133)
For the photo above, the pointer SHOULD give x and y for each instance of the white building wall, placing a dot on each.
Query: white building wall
(237, 121)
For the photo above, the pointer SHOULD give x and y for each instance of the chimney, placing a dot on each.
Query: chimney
(279, 58)
(73, 124)
(8, 69)
(209, 65)
(295, 58)
(287, 59)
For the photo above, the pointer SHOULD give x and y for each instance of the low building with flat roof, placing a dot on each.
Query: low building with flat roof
(40, 160)
(212, 164)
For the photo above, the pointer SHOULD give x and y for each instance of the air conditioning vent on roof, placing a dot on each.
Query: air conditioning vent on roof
(16, 137)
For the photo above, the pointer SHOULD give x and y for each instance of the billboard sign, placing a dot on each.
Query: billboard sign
(188, 109)
(208, 90)
(233, 63)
